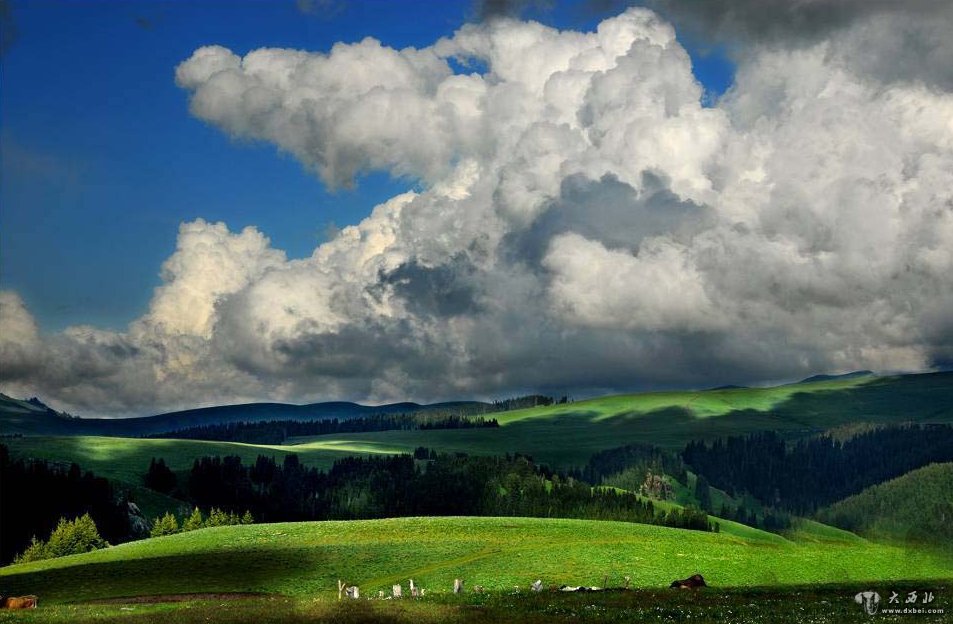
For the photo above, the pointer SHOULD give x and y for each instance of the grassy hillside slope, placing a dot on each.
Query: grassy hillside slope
(917, 506)
(307, 559)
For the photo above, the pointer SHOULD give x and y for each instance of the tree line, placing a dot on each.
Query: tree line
(400, 485)
(278, 431)
(638, 459)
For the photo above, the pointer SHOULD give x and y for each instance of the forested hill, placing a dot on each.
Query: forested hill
(34, 418)
(916, 506)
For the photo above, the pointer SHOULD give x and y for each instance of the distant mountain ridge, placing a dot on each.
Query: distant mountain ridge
(29, 418)
(852, 375)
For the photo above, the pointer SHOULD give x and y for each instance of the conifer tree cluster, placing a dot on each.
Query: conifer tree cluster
(70, 537)
(168, 524)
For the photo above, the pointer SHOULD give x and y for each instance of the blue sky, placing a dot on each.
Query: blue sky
(101, 159)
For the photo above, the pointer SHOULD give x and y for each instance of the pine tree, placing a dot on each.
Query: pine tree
(70, 537)
(248, 518)
(166, 525)
(194, 521)
(703, 493)
(34, 552)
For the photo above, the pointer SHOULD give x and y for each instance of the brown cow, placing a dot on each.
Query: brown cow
(692, 582)
(19, 602)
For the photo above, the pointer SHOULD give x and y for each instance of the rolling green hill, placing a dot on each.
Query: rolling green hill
(916, 507)
(307, 559)
(566, 435)
(561, 435)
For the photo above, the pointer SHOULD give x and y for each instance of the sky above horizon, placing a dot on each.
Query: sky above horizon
(334, 199)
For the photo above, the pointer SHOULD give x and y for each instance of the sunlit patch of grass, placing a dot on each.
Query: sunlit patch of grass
(701, 404)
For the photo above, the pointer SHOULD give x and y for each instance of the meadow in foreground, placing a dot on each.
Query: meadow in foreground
(826, 604)
(307, 559)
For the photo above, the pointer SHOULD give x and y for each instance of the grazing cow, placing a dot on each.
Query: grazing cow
(19, 602)
(692, 582)
(537, 585)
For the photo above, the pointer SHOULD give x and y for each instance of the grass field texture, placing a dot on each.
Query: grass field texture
(307, 559)
(825, 604)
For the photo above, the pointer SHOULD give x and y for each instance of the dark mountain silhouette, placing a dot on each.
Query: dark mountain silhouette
(34, 418)
(860, 373)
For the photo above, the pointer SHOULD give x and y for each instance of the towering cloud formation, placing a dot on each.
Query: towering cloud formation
(584, 223)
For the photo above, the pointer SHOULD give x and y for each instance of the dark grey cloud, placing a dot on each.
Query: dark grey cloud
(490, 9)
(887, 40)
(609, 211)
(448, 289)
(784, 20)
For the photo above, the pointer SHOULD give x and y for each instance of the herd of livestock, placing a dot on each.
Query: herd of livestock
(397, 591)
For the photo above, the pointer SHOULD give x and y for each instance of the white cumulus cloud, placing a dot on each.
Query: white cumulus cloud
(580, 221)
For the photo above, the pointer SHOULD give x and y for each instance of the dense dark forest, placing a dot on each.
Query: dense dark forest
(441, 485)
(523, 402)
(817, 471)
(642, 468)
(36, 494)
(278, 431)
(639, 458)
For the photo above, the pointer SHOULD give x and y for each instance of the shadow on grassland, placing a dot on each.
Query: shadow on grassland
(215, 572)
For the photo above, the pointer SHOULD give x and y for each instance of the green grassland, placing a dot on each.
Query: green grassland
(307, 559)
(917, 506)
(825, 604)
